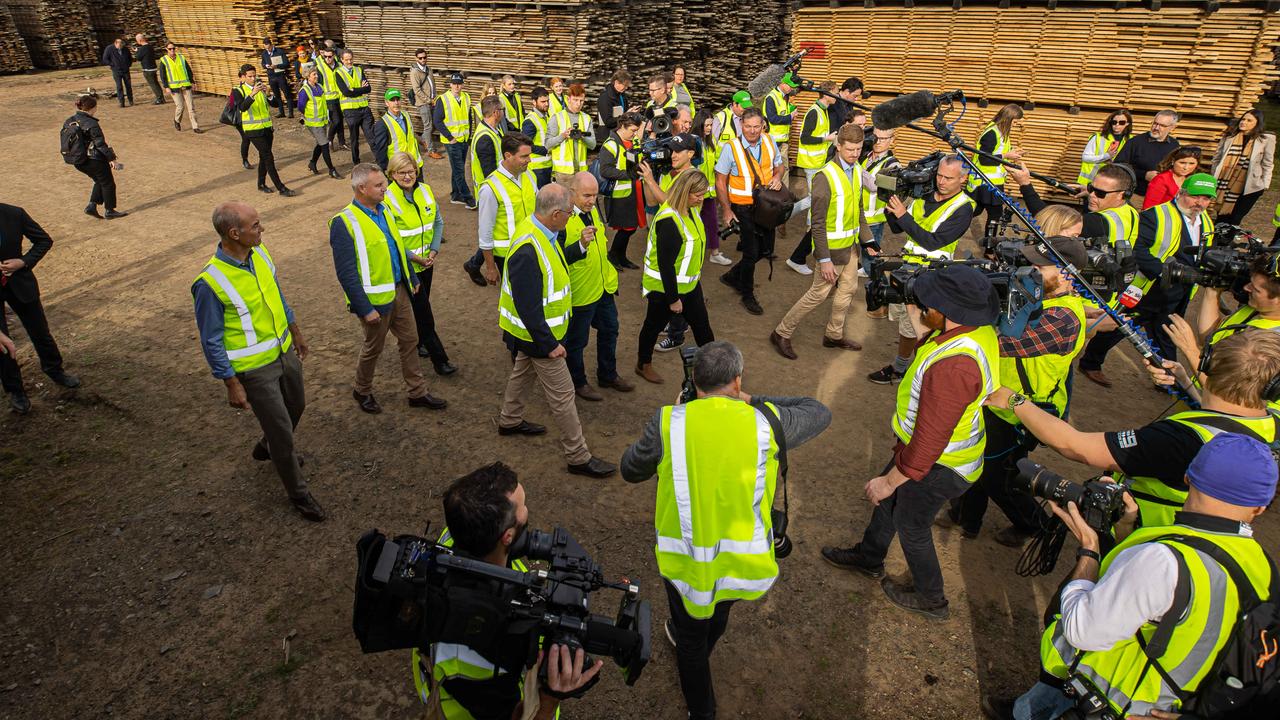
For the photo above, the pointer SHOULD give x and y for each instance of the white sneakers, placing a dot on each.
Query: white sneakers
(719, 258)
(802, 269)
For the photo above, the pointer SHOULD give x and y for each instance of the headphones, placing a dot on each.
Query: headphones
(1133, 178)
(1270, 391)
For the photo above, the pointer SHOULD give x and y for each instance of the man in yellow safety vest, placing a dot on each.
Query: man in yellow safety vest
(251, 340)
(353, 89)
(718, 459)
(393, 133)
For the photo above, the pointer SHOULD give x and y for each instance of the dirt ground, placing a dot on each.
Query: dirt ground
(152, 569)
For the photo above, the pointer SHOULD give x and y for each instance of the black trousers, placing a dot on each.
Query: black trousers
(336, 128)
(618, 248)
(357, 120)
(1000, 467)
(266, 159)
(695, 639)
(757, 242)
(124, 85)
(803, 248)
(658, 313)
(31, 315)
(104, 183)
(477, 261)
(909, 513)
(280, 88)
(244, 144)
(422, 315)
(543, 177)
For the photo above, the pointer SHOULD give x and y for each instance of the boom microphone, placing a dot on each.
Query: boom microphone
(772, 75)
(906, 109)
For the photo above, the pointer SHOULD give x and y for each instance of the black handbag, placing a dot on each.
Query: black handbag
(230, 115)
(769, 208)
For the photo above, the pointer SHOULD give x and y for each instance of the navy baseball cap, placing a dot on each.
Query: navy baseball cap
(1235, 469)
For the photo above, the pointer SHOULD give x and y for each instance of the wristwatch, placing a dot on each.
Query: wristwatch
(1016, 399)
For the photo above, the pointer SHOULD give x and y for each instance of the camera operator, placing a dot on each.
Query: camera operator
(1156, 456)
(837, 224)
(485, 513)
(727, 123)
(778, 110)
(816, 137)
(744, 161)
(1262, 311)
(683, 147)
(569, 136)
(716, 533)
(933, 225)
(1111, 610)
(1169, 233)
(851, 91)
(879, 158)
(940, 430)
(1040, 363)
(1111, 216)
(660, 98)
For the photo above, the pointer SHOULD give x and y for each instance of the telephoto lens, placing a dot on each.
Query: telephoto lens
(1044, 483)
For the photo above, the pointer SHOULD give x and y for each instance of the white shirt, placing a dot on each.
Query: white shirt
(1137, 588)
(1193, 226)
(487, 207)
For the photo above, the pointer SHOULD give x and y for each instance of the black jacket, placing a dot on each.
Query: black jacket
(608, 100)
(117, 59)
(146, 56)
(15, 224)
(98, 148)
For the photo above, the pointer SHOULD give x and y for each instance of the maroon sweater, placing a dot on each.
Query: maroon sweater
(949, 386)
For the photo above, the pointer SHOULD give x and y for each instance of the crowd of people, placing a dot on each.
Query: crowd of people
(549, 179)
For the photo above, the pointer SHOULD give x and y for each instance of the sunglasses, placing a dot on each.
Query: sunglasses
(1099, 192)
(1119, 121)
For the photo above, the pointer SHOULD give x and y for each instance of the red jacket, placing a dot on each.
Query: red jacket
(1162, 188)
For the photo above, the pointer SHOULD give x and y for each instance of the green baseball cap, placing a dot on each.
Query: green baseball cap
(391, 94)
(1202, 184)
(743, 98)
(789, 81)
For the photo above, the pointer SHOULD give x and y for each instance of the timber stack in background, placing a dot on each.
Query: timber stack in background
(56, 32)
(218, 36)
(578, 40)
(113, 19)
(1068, 67)
(14, 56)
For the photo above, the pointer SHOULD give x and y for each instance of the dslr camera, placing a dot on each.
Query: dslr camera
(916, 179)
(1101, 503)
(412, 592)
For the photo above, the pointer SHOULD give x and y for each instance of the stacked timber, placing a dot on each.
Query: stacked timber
(56, 32)
(14, 56)
(1068, 67)
(218, 36)
(329, 13)
(578, 40)
(104, 19)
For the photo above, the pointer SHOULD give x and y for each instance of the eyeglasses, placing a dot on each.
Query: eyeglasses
(1099, 192)
(422, 57)
(1157, 123)
(170, 48)
(405, 173)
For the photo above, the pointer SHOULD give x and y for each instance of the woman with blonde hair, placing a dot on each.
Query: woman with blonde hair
(673, 268)
(1060, 220)
(489, 89)
(416, 218)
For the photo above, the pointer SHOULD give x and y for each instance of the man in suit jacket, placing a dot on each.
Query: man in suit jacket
(20, 291)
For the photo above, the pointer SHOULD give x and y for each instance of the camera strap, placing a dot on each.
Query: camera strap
(775, 423)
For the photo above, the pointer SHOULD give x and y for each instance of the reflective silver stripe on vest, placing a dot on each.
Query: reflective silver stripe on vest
(841, 232)
(246, 321)
(760, 542)
(499, 187)
(707, 597)
(682, 274)
(446, 652)
(395, 205)
(1165, 241)
(362, 255)
(977, 433)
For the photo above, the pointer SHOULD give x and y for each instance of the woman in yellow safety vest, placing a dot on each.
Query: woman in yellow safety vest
(702, 124)
(315, 116)
(996, 139)
(1105, 144)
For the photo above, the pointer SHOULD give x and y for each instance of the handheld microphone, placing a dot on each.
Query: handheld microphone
(906, 109)
(771, 76)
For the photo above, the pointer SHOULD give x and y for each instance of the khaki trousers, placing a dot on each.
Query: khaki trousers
(276, 395)
(183, 100)
(846, 285)
(557, 385)
(398, 319)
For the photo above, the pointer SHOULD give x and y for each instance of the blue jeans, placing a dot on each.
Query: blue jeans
(458, 173)
(603, 316)
(1041, 702)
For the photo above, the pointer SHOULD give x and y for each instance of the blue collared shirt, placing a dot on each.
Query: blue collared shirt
(379, 217)
(550, 236)
(211, 314)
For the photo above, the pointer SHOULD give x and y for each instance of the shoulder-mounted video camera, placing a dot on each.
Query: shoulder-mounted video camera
(412, 592)
(1224, 267)
(1021, 289)
(916, 179)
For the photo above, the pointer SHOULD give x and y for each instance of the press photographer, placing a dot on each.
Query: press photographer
(940, 430)
(934, 224)
(1157, 629)
(1038, 363)
(570, 136)
(718, 459)
(1242, 378)
(1261, 310)
(746, 167)
(475, 586)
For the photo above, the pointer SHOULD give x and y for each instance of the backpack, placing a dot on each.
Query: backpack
(72, 143)
(1245, 676)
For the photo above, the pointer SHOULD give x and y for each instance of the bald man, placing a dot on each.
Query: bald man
(253, 345)
(533, 312)
(594, 281)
